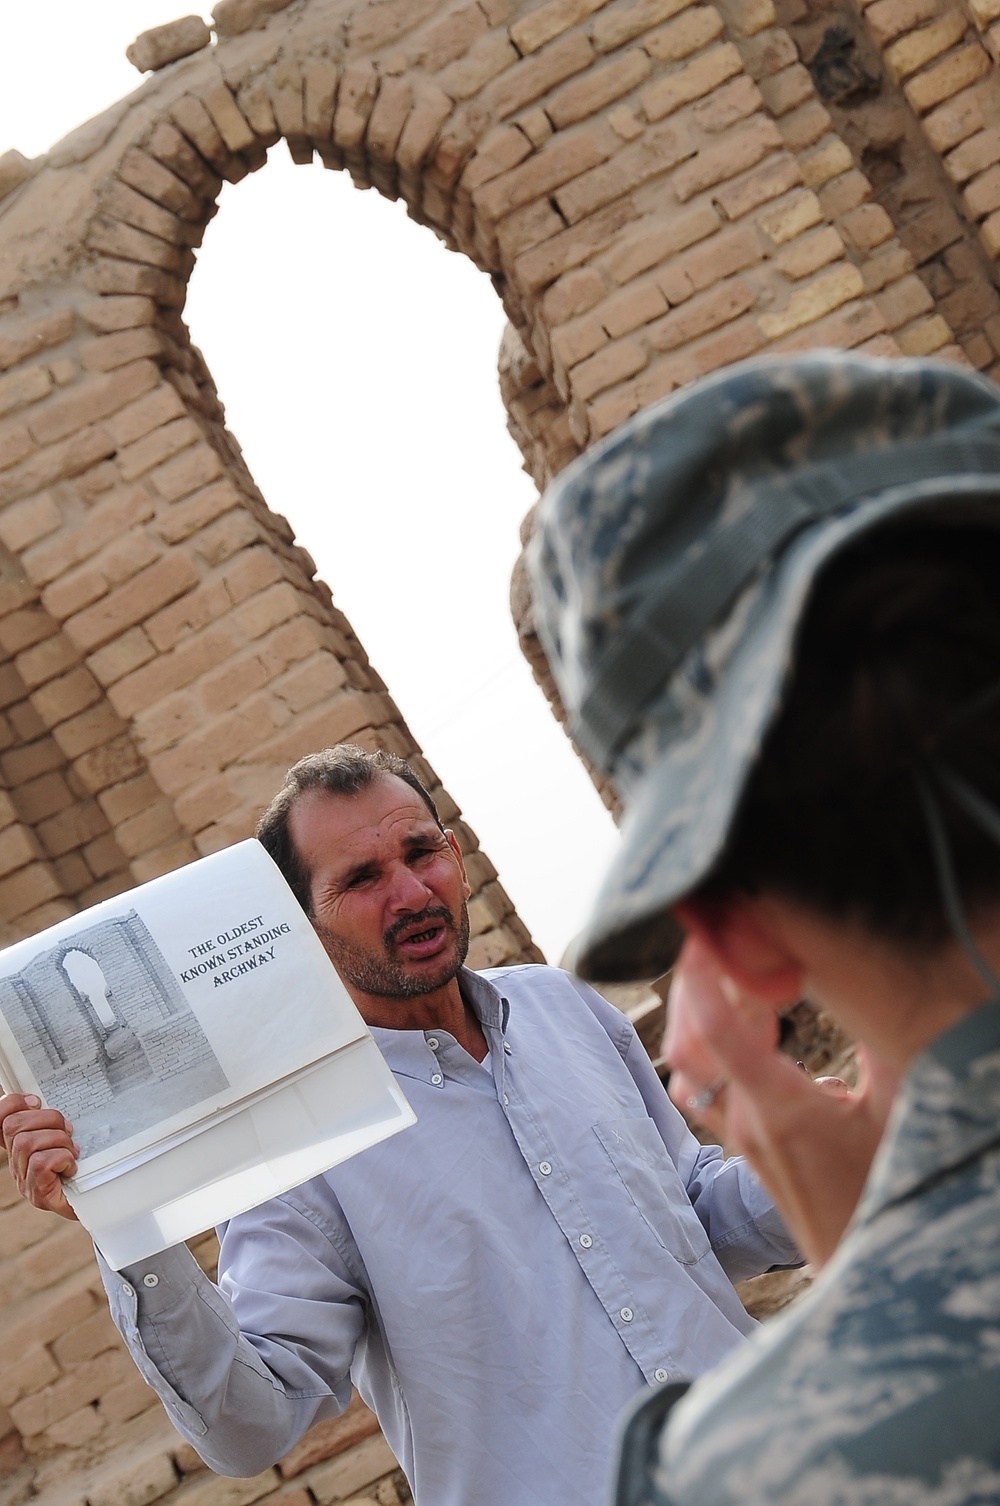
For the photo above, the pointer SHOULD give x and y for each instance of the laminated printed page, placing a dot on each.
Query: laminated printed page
(155, 1016)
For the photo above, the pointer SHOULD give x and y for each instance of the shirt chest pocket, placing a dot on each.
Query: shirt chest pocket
(651, 1180)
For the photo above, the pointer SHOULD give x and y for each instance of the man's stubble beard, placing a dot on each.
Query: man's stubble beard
(382, 976)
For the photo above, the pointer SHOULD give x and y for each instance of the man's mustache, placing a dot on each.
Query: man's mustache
(418, 922)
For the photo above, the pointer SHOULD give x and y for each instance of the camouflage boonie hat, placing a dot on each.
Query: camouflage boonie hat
(671, 566)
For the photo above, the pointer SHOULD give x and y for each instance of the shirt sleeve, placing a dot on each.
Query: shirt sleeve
(245, 1368)
(745, 1229)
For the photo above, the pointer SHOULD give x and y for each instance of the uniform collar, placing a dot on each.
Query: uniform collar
(947, 1111)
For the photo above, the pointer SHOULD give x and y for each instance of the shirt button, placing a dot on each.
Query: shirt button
(660, 1375)
(506, 1100)
(586, 1241)
(437, 1079)
(433, 1042)
(506, 1047)
(151, 1280)
(545, 1168)
(127, 1291)
(627, 1315)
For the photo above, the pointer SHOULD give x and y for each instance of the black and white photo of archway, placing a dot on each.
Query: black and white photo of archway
(108, 1033)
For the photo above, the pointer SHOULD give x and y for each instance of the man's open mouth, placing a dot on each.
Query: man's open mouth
(424, 938)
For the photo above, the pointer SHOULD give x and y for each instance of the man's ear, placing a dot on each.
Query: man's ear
(453, 844)
(747, 945)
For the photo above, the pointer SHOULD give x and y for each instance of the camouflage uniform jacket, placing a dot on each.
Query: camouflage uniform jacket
(881, 1387)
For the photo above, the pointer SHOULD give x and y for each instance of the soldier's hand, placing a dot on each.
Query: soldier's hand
(41, 1151)
(811, 1146)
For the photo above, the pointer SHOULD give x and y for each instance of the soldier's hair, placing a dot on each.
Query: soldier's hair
(900, 640)
(344, 770)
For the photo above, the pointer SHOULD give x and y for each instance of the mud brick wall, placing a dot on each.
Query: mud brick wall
(655, 187)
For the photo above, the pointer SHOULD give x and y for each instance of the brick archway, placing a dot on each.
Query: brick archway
(656, 187)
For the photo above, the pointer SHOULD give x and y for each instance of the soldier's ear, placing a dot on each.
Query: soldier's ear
(748, 945)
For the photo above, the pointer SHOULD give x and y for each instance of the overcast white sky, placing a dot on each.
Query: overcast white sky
(356, 358)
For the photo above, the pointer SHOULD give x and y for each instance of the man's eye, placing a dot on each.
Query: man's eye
(358, 880)
(416, 853)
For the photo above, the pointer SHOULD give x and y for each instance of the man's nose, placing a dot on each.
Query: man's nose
(409, 892)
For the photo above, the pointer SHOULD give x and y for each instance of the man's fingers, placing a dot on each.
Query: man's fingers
(43, 1183)
(29, 1121)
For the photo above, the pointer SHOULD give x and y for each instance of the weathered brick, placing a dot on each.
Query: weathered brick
(867, 227)
(702, 314)
(80, 734)
(42, 797)
(45, 660)
(826, 162)
(566, 158)
(228, 118)
(18, 847)
(918, 48)
(72, 828)
(85, 1384)
(809, 253)
(982, 195)
(598, 89)
(655, 241)
(534, 76)
(573, 294)
(786, 90)
(807, 304)
(543, 264)
(847, 327)
(28, 887)
(692, 30)
(656, 151)
(740, 149)
(531, 32)
(351, 1472)
(169, 672)
(727, 252)
(191, 470)
(121, 510)
(107, 764)
(93, 398)
(802, 128)
(903, 301)
(35, 1368)
(65, 696)
(691, 82)
(841, 195)
(925, 337)
(144, 594)
(611, 365)
(146, 413)
(20, 340)
(889, 19)
(129, 244)
(156, 447)
(20, 388)
(725, 106)
(73, 591)
(616, 26)
(948, 78)
(26, 522)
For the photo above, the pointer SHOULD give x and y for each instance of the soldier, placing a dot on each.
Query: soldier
(771, 607)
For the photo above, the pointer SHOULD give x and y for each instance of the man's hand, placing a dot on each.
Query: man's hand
(812, 1146)
(41, 1150)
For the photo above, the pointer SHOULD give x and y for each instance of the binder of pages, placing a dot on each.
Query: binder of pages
(199, 1039)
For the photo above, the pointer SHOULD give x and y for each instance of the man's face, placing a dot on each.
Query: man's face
(387, 888)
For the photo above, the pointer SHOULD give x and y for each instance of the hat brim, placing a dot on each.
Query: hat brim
(679, 812)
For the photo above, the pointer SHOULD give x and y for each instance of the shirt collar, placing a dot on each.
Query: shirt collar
(407, 1051)
(946, 1111)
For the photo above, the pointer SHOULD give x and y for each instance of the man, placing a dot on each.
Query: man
(771, 605)
(499, 1279)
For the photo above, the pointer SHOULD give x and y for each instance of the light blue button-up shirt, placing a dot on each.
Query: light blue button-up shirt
(498, 1280)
